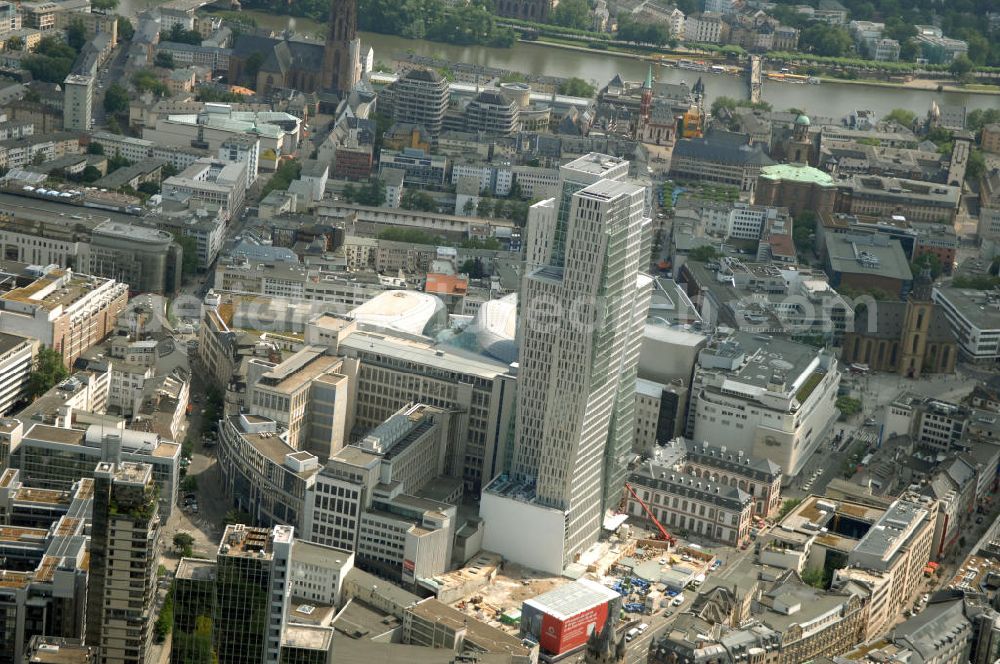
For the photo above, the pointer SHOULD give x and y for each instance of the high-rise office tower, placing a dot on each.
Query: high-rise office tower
(583, 305)
(124, 555)
(194, 611)
(251, 593)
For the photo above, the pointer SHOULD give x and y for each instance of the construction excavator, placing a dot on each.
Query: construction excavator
(662, 532)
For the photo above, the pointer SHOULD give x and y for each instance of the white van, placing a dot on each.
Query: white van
(678, 600)
(631, 634)
(642, 628)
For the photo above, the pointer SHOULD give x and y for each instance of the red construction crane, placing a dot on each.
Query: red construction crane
(664, 535)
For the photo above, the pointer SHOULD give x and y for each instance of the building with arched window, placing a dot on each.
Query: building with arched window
(910, 338)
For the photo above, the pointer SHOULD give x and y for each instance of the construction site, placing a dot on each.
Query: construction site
(638, 571)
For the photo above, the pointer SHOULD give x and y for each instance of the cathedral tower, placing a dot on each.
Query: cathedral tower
(341, 55)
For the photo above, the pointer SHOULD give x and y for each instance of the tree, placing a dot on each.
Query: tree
(787, 507)
(236, 516)
(104, 5)
(848, 406)
(117, 161)
(189, 257)
(146, 80)
(637, 32)
(149, 188)
(116, 99)
(183, 540)
(76, 35)
(189, 484)
(976, 167)
(90, 174)
(165, 621)
(372, 193)
(576, 87)
(288, 171)
(474, 268)
(125, 28)
(898, 29)
(164, 59)
(414, 199)
(216, 94)
(803, 232)
(49, 371)
(572, 14)
(826, 40)
(180, 35)
(485, 208)
(902, 116)
(981, 117)
(814, 578)
(469, 208)
(720, 103)
(51, 61)
(95, 148)
(703, 254)
(15, 43)
(961, 66)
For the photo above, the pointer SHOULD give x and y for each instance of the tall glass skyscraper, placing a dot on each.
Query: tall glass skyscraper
(583, 304)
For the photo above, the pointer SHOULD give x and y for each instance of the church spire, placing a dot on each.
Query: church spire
(648, 83)
(342, 51)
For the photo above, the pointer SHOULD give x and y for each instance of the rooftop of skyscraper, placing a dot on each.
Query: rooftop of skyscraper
(247, 541)
(196, 569)
(594, 163)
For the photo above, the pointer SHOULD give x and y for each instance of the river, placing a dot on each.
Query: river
(829, 99)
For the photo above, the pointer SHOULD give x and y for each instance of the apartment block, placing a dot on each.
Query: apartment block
(295, 281)
(17, 356)
(262, 474)
(45, 548)
(124, 557)
(974, 319)
(65, 311)
(889, 560)
(420, 169)
(213, 181)
(882, 196)
(55, 457)
(396, 370)
(78, 102)
(369, 498)
(307, 394)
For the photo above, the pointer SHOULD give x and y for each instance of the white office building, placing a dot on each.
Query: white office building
(580, 328)
(766, 397)
(974, 317)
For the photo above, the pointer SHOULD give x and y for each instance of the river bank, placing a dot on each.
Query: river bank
(658, 59)
(918, 84)
(598, 67)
